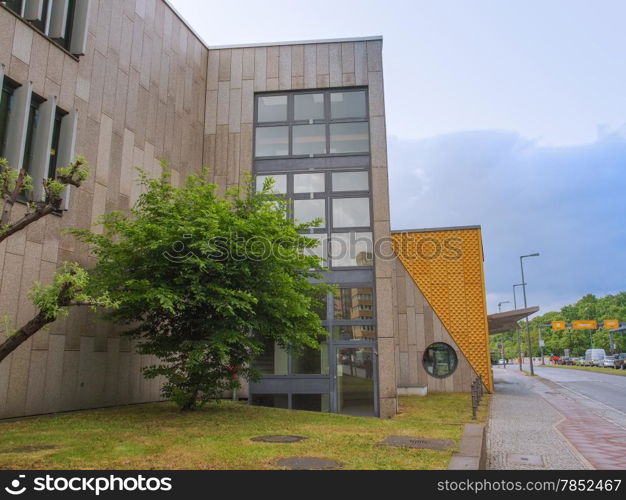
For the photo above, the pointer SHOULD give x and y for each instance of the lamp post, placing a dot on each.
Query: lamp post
(530, 352)
(514, 297)
(500, 304)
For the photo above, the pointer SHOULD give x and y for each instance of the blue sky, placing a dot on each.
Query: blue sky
(509, 114)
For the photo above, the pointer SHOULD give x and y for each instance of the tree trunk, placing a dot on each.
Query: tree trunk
(23, 334)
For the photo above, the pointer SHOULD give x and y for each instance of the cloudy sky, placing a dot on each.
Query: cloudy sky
(511, 115)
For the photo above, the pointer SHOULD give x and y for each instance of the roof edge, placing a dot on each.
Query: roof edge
(298, 42)
(434, 229)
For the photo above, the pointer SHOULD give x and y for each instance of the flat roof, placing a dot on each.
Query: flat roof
(299, 42)
(433, 229)
(507, 321)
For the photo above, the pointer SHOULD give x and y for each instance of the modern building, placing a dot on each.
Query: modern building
(128, 82)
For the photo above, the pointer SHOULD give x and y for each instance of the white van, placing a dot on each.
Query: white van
(594, 357)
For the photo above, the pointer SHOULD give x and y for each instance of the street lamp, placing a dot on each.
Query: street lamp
(530, 351)
(500, 304)
(514, 297)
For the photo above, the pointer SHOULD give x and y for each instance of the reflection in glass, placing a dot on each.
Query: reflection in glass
(349, 138)
(355, 381)
(347, 105)
(272, 141)
(354, 304)
(273, 360)
(309, 139)
(279, 186)
(271, 400)
(440, 360)
(351, 212)
(354, 332)
(308, 106)
(311, 361)
(311, 402)
(321, 249)
(272, 109)
(350, 181)
(308, 210)
(309, 183)
(351, 249)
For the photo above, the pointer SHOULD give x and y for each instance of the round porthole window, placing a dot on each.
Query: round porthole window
(440, 360)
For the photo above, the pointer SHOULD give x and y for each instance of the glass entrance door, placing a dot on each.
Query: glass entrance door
(355, 383)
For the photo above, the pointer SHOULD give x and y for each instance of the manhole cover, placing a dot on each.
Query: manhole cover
(29, 449)
(307, 463)
(517, 459)
(278, 439)
(418, 443)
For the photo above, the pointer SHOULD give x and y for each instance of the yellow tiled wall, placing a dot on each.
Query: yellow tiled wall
(447, 266)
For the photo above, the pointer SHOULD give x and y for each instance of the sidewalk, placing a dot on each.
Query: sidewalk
(522, 431)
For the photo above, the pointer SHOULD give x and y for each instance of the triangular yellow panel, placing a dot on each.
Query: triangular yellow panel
(447, 266)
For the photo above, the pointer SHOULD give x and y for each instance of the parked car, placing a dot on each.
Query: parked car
(609, 362)
(565, 360)
(620, 361)
(594, 357)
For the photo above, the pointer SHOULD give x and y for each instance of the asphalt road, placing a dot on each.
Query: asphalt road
(604, 388)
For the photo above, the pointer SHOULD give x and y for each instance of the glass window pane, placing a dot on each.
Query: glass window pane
(354, 332)
(309, 139)
(440, 360)
(351, 249)
(14, 5)
(308, 210)
(311, 402)
(280, 183)
(309, 183)
(273, 360)
(349, 138)
(271, 400)
(350, 181)
(321, 249)
(308, 107)
(354, 304)
(272, 141)
(311, 361)
(272, 109)
(355, 381)
(5, 106)
(347, 105)
(351, 212)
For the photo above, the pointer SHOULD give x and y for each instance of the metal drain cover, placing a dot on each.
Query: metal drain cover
(278, 439)
(417, 443)
(308, 463)
(532, 460)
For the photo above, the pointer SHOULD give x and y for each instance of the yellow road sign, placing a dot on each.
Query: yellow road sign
(585, 325)
(610, 324)
(558, 325)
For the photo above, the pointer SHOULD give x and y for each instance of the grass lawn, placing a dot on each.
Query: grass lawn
(158, 436)
(608, 371)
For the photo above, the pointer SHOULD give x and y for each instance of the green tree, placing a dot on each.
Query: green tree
(204, 280)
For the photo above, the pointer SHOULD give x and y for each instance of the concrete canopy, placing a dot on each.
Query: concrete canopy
(507, 321)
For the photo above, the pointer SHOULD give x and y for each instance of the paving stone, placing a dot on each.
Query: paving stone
(417, 443)
(278, 439)
(308, 463)
(518, 459)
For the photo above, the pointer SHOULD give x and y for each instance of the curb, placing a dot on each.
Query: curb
(472, 454)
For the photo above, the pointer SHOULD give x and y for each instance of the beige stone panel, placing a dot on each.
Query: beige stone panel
(384, 307)
(127, 170)
(388, 407)
(323, 81)
(30, 273)
(96, 90)
(223, 101)
(360, 63)
(375, 55)
(23, 42)
(99, 206)
(10, 286)
(297, 60)
(126, 43)
(208, 156)
(260, 69)
(146, 60)
(70, 381)
(56, 58)
(112, 371)
(297, 82)
(102, 26)
(245, 155)
(104, 150)
(247, 72)
(175, 179)
(54, 374)
(411, 326)
(35, 231)
(18, 70)
(376, 94)
(224, 66)
(403, 331)
(272, 84)
(234, 110)
(348, 80)
(82, 88)
(18, 379)
(284, 67)
(335, 70)
(39, 64)
(322, 59)
(310, 66)
(36, 383)
(247, 102)
(236, 68)
(151, 164)
(413, 365)
(221, 150)
(7, 34)
(403, 360)
(347, 57)
(380, 194)
(213, 69)
(136, 50)
(378, 139)
(386, 368)
(123, 383)
(232, 171)
(210, 125)
(273, 62)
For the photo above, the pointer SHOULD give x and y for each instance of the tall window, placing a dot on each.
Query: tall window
(309, 124)
(5, 111)
(56, 135)
(31, 132)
